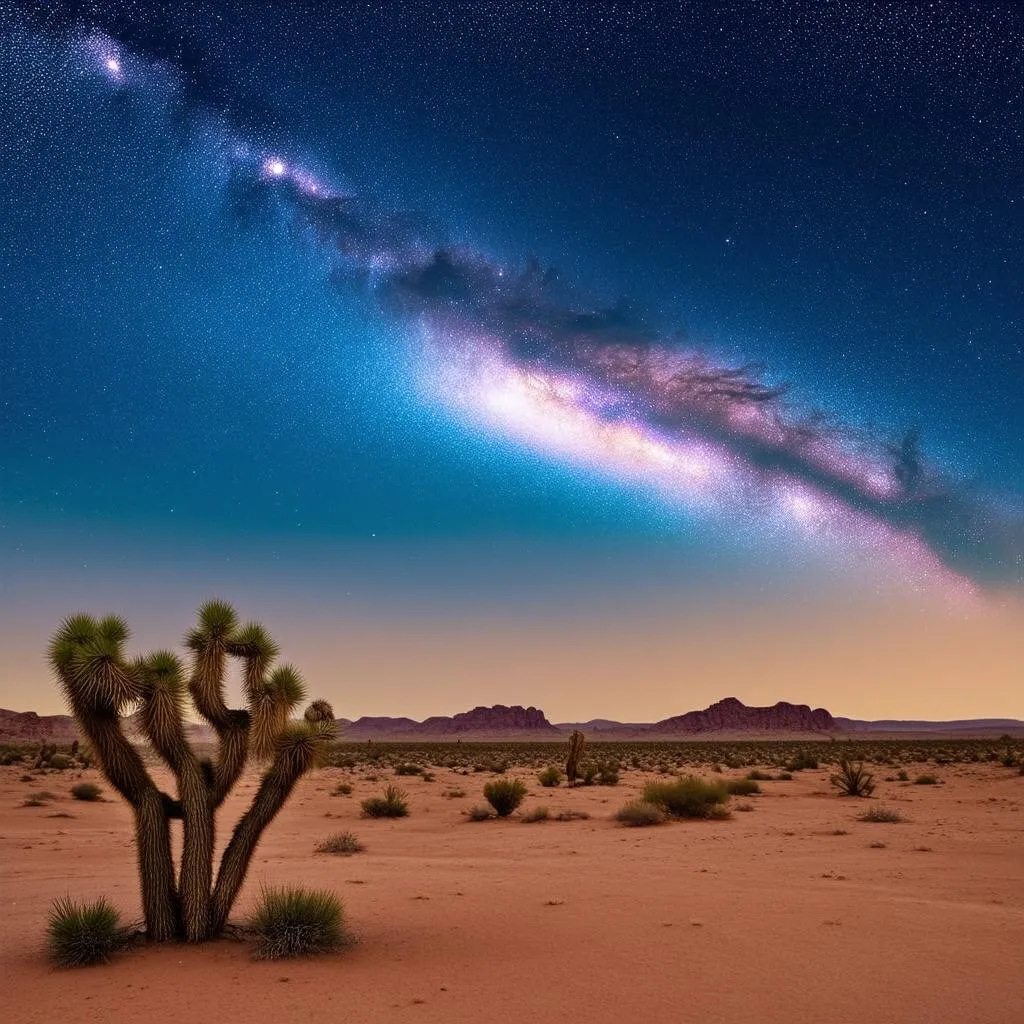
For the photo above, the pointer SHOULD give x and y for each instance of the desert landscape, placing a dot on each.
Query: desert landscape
(792, 907)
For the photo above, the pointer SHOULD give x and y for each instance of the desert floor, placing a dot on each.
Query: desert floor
(789, 912)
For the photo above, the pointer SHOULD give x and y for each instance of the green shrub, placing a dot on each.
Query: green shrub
(853, 780)
(86, 791)
(588, 772)
(607, 775)
(742, 787)
(297, 922)
(504, 795)
(801, 762)
(392, 804)
(926, 780)
(537, 814)
(343, 844)
(639, 813)
(881, 814)
(550, 777)
(688, 797)
(80, 934)
(61, 762)
(479, 813)
(342, 789)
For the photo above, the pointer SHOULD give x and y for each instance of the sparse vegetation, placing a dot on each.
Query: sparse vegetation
(297, 922)
(504, 795)
(758, 776)
(926, 780)
(853, 780)
(393, 804)
(342, 844)
(742, 787)
(342, 789)
(480, 812)
(640, 813)
(688, 797)
(572, 816)
(550, 777)
(408, 769)
(87, 791)
(537, 814)
(81, 934)
(885, 815)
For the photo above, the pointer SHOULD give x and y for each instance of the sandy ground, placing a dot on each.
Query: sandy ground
(785, 913)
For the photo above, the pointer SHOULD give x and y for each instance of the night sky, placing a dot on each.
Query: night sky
(607, 357)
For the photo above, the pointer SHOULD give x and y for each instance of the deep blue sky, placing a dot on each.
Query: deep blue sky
(835, 189)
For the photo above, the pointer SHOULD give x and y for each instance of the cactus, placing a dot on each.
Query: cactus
(101, 685)
(572, 763)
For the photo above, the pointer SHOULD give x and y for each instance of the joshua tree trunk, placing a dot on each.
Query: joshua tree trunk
(100, 684)
(572, 762)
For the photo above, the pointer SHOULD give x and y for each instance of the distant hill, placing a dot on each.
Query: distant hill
(499, 721)
(728, 718)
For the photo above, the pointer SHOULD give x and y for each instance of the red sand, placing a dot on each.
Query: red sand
(768, 917)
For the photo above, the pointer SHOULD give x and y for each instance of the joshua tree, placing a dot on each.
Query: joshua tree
(101, 685)
(572, 763)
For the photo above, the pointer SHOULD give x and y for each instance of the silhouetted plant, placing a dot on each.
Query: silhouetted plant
(80, 934)
(504, 795)
(297, 922)
(853, 780)
(101, 684)
(572, 761)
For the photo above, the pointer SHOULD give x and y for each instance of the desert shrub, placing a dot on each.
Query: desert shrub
(86, 791)
(881, 814)
(537, 814)
(61, 762)
(408, 769)
(504, 795)
(588, 772)
(903, 776)
(607, 775)
(342, 789)
(801, 762)
(454, 794)
(572, 816)
(297, 922)
(719, 812)
(853, 780)
(79, 934)
(688, 797)
(784, 777)
(926, 780)
(742, 787)
(393, 804)
(756, 775)
(550, 777)
(639, 813)
(343, 844)
(428, 776)
(744, 806)
(480, 813)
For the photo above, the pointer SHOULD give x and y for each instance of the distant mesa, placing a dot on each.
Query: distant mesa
(732, 715)
(499, 720)
(27, 726)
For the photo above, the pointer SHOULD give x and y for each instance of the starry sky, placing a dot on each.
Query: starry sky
(609, 357)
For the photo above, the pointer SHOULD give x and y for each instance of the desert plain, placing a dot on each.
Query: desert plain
(792, 909)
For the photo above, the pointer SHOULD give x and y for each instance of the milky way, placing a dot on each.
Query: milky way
(515, 350)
